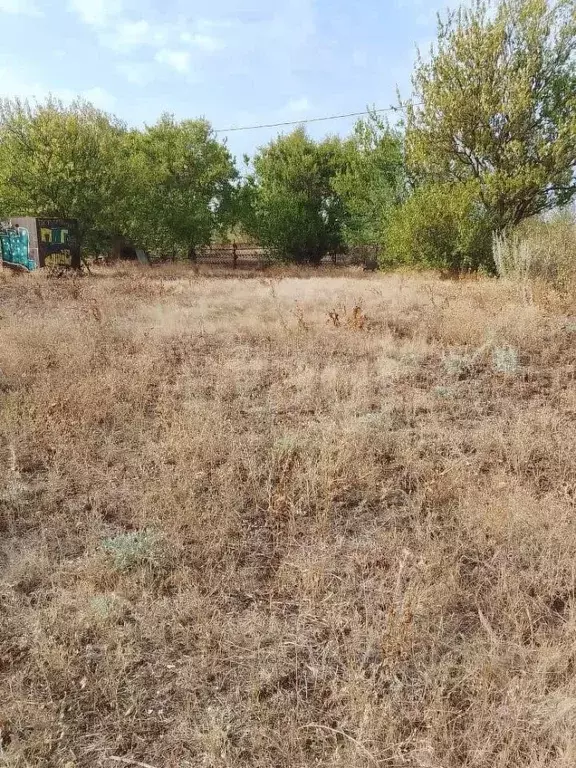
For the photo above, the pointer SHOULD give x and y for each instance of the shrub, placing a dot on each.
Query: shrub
(459, 366)
(440, 226)
(539, 250)
(132, 550)
(505, 360)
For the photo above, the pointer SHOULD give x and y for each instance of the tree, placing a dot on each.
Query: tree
(181, 181)
(60, 161)
(440, 226)
(293, 207)
(372, 181)
(496, 103)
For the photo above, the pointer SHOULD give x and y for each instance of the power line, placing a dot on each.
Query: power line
(308, 120)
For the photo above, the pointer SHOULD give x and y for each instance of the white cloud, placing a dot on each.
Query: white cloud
(136, 72)
(207, 43)
(126, 35)
(249, 39)
(96, 13)
(171, 44)
(177, 60)
(100, 97)
(298, 105)
(20, 7)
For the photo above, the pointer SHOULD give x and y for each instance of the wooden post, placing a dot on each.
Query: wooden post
(234, 255)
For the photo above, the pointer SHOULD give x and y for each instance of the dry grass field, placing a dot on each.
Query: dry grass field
(284, 522)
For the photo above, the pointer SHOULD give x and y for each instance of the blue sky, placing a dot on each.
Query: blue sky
(233, 62)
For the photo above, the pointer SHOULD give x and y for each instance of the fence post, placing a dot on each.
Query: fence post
(234, 255)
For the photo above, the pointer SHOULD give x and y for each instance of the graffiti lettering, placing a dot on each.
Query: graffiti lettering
(61, 259)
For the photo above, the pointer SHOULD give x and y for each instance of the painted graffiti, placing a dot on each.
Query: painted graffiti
(54, 235)
(15, 244)
(28, 243)
(62, 258)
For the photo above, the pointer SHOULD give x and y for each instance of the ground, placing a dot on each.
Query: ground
(283, 522)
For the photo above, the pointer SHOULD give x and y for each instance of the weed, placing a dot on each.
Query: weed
(96, 312)
(299, 315)
(132, 550)
(505, 360)
(357, 319)
(286, 445)
(445, 392)
(458, 365)
(103, 606)
(334, 318)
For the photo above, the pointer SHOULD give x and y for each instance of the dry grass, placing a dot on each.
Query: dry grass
(539, 252)
(236, 533)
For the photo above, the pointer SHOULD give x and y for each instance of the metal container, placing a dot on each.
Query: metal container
(29, 243)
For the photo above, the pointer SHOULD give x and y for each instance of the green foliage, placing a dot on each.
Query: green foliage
(505, 360)
(458, 365)
(496, 103)
(372, 180)
(181, 186)
(440, 226)
(289, 201)
(60, 161)
(132, 550)
(306, 198)
(167, 188)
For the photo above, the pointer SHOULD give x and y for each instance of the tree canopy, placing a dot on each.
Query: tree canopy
(62, 161)
(496, 104)
(292, 205)
(307, 198)
(181, 186)
(371, 180)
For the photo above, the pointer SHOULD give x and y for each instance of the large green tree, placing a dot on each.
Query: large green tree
(181, 186)
(63, 161)
(371, 181)
(496, 104)
(290, 204)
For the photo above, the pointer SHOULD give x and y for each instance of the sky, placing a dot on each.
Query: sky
(234, 62)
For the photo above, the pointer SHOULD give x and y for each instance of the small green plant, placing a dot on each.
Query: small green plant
(457, 365)
(505, 360)
(444, 392)
(133, 550)
(102, 606)
(106, 608)
(373, 419)
(286, 445)
(411, 359)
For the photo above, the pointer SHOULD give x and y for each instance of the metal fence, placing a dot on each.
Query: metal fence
(249, 256)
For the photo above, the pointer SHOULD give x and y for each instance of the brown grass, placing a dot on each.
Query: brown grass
(236, 533)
